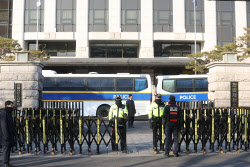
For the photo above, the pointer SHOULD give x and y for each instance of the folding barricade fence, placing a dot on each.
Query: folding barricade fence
(218, 127)
(41, 129)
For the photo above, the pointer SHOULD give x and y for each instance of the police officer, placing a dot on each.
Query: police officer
(172, 115)
(155, 119)
(120, 111)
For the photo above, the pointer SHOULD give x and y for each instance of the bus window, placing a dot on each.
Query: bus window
(124, 85)
(93, 84)
(63, 84)
(201, 85)
(168, 85)
(77, 84)
(184, 86)
(49, 84)
(107, 85)
(140, 84)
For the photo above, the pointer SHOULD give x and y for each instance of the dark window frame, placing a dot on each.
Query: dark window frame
(193, 84)
(189, 22)
(124, 12)
(158, 26)
(8, 23)
(61, 23)
(220, 26)
(100, 88)
(28, 24)
(248, 13)
(92, 24)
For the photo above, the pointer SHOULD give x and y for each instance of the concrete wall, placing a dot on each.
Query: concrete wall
(220, 77)
(29, 74)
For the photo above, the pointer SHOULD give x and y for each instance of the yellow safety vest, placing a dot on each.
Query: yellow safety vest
(153, 110)
(113, 111)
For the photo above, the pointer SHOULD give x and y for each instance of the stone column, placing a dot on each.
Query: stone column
(179, 17)
(115, 16)
(240, 18)
(18, 21)
(50, 17)
(221, 74)
(146, 48)
(82, 35)
(29, 74)
(210, 25)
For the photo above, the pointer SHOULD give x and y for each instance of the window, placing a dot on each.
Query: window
(5, 18)
(166, 49)
(140, 84)
(98, 15)
(30, 23)
(77, 84)
(64, 84)
(131, 15)
(168, 85)
(163, 15)
(225, 22)
(56, 48)
(124, 85)
(184, 86)
(49, 84)
(248, 14)
(189, 16)
(66, 15)
(114, 50)
(201, 85)
(107, 84)
(93, 84)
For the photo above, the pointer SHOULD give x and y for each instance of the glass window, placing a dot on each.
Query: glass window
(4, 31)
(77, 84)
(140, 84)
(98, 15)
(163, 16)
(49, 84)
(93, 84)
(64, 84)
(130, 16)
(107, 84)
(4, 4)
(66, 15)
(168, 85)
(114, 50)
(201, 85)
(248, 14)
(225, 22)
(164, 49)
(189, 16)
(4, 16)
(30, 16)
(184, 85)
(124, 85)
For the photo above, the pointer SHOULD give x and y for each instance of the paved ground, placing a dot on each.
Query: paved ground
(140, 153)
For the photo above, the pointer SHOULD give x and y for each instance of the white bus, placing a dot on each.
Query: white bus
(183, 87)
(96, 92)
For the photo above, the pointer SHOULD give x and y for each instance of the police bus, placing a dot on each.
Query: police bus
(94, 93)
(183, 87)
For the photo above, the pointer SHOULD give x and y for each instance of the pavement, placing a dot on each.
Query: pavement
(140, 153)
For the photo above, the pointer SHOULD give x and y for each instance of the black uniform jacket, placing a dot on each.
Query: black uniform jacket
(6, 129)
(130, 104)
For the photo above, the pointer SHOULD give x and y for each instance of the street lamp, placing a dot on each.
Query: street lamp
(38, 4)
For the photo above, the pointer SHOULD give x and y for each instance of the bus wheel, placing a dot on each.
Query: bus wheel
(103, 112)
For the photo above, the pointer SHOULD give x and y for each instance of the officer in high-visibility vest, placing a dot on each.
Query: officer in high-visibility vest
(172, 114)
(155, 119)
(120, 111)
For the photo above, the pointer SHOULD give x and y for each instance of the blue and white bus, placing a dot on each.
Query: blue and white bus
(96, 92)
(183, 87)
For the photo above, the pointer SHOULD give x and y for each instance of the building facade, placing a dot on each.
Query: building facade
(135, 36)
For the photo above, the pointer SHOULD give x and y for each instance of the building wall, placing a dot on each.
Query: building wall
(146, 37)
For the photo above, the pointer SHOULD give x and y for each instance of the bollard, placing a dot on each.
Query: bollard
(98, 133)
(116, 135)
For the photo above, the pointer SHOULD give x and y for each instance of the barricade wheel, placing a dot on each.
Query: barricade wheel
(20, 153)
(221, 152)
(238, 151)
(52, 153)
(155, 152)
(70, 153)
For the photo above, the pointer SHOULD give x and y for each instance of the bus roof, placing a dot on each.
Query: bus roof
(182, 76)
(95, 75)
